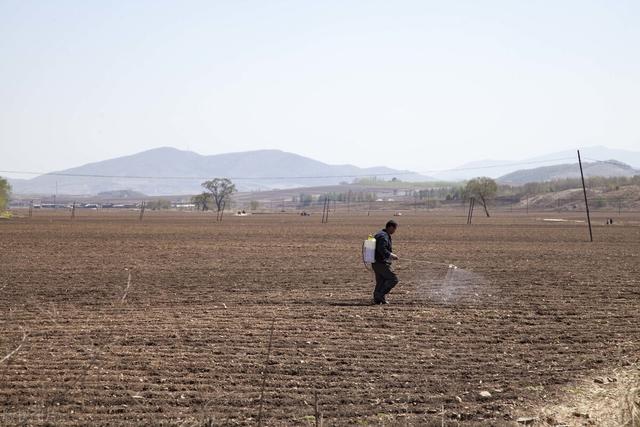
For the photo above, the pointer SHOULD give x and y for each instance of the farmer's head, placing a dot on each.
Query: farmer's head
(391, 226)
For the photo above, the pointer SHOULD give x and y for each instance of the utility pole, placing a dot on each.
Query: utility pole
(143, 205)
(586, 201)
(325, 209)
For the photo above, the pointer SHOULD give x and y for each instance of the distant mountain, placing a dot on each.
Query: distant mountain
(498, 168)
(491, 168)
(611, 168)
(172, 171)
(596, 153)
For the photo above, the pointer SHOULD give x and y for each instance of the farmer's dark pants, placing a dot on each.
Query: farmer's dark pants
(386, 279)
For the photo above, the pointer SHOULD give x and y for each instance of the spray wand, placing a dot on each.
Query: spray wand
(422, 261)
(368, 255)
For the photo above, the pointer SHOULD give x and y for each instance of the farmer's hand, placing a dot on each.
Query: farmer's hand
(394, 256)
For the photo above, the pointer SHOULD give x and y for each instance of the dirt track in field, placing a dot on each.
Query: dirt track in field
(535, 308)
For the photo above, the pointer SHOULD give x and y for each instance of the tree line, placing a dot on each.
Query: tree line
(218, 191)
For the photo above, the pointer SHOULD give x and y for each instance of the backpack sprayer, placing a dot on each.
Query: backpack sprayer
(369, 252)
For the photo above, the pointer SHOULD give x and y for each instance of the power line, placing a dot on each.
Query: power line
(245, 178)
(203, 177)
(507, 165)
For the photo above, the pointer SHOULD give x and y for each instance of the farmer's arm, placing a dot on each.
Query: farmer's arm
(383, 246)
(387, 250)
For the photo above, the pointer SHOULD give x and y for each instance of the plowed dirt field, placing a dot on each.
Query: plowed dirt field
(533, 307)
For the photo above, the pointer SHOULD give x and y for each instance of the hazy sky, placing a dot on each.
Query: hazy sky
(432, 84)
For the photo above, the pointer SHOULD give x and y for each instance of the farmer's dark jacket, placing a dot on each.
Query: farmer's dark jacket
(383, 247)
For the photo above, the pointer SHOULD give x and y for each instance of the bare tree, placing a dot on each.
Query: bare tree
(483, 189)
(221, 189)
(5, 190)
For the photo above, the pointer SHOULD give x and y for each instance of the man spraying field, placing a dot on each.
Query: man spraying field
(386, 279)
